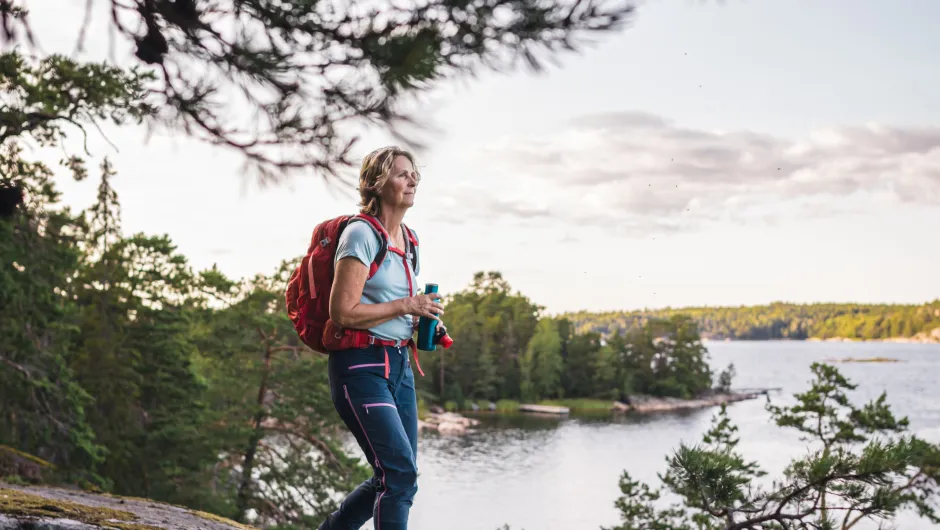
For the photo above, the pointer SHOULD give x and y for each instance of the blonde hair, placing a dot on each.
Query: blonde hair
(374, 174)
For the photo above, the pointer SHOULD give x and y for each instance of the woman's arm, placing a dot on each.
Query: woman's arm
(345, 307)
(347, 310)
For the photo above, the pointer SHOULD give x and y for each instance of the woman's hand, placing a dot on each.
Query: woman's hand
(425, 305)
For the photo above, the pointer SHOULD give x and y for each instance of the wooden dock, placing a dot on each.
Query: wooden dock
(544, 409)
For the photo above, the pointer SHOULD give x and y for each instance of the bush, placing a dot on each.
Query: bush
(725, 378)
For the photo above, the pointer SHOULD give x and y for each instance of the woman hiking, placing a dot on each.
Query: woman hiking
(373, 388)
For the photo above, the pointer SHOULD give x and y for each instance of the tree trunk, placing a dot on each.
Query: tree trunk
(244, 485)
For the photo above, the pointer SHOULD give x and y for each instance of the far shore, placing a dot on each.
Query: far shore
(934, 338)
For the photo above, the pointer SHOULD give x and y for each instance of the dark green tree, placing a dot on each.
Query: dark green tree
(42, 405)
(104, 363)
(582, 352)
(542, 364)
(725, 378)
(680, 365)
(611, 378)
(491, 326)
(173, 458)
(134, 358)
(272, 418)
(862, 464)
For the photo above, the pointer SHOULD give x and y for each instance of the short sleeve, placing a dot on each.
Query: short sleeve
(357, 240)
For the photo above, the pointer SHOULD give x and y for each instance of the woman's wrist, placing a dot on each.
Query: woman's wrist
(402, 309)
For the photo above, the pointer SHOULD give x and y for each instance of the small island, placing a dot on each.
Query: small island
(865, 360)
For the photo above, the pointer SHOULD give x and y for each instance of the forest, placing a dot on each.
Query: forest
(126, 370)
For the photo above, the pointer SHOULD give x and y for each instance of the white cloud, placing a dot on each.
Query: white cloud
(638, 172)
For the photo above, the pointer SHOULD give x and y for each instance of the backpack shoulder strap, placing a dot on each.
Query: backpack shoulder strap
(411, 246)
(383, 240)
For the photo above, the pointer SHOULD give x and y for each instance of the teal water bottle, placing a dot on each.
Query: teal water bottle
(426, 325)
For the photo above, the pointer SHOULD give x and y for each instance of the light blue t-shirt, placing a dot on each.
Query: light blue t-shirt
(389, 282)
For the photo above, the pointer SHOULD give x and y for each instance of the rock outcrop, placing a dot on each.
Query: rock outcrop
(52, 508)
(647, 404)
(447, 423)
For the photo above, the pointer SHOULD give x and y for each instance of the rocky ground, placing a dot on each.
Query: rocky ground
(50, 508)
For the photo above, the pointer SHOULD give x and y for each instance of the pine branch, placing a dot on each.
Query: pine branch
(22, 369)
(310, 73)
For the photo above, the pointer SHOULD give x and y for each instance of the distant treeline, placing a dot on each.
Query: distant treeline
(781, 320)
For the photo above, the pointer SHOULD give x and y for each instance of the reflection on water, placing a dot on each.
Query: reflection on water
(548, 473)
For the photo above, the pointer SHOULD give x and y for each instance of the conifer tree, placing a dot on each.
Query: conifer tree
(41, 402)
(862, 464)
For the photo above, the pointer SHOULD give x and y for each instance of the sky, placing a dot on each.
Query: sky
(710, 153)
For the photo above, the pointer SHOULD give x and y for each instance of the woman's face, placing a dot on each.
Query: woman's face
(399, 189)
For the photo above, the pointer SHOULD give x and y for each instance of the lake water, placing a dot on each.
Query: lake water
(561, 474)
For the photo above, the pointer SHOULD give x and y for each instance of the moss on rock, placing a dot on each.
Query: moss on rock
(20, 504)
(23, 467)
(43, 503)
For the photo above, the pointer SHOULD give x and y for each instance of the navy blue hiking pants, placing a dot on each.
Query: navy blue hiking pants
(383, 416)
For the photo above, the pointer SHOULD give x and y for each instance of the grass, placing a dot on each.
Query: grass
(579, 404)
(507, 405)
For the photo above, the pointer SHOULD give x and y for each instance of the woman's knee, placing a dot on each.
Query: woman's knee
(402, 480)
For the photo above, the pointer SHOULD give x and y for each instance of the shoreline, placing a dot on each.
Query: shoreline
(464, 421)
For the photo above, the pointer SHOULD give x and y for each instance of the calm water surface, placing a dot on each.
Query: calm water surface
(550, 474)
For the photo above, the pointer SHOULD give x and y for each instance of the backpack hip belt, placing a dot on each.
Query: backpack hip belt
(363, 339)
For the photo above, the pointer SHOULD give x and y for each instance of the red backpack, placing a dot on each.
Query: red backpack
(309, 286)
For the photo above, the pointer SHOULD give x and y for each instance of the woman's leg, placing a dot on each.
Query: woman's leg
(355, 509)
(407, 401)
(366, 403)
